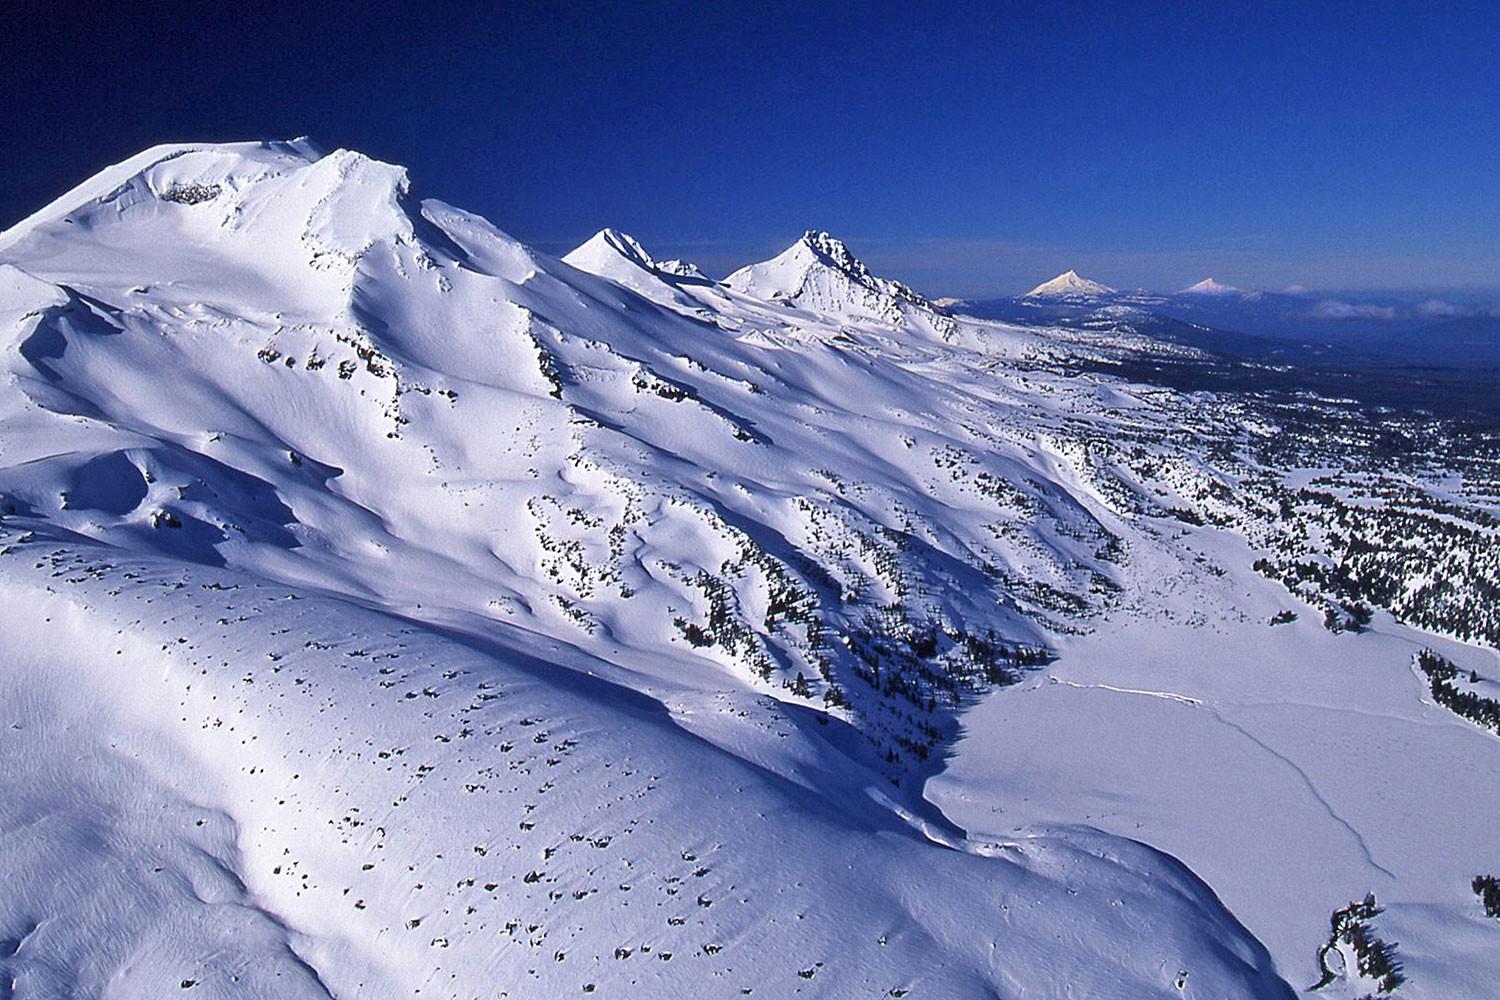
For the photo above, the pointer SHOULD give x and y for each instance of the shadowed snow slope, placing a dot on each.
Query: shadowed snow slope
(394, 608)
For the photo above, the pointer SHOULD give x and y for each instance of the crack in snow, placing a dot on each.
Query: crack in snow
(1168, 695)
(1306, 780)
(1313, 790)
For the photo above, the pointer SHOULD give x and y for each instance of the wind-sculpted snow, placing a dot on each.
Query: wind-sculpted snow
(380, 806)
(528, 627)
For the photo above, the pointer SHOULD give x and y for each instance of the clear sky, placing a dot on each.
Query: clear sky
(967, 149)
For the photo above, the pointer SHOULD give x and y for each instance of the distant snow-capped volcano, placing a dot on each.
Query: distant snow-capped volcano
(1070, 285)
(1208, 286)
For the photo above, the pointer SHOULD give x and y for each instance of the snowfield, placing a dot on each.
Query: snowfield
(394, 610)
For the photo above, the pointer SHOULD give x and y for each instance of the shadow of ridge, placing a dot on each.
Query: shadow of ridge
(837, 794)
(942, 565)
(82, 315)
(1259, 964)
(849, 807)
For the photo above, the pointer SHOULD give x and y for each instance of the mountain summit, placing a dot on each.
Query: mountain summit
(613, 254)
(1069, 285)
(607, 246)
(1208, 286)
(820, 274)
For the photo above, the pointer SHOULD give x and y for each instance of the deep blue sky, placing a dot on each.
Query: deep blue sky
(965, 148)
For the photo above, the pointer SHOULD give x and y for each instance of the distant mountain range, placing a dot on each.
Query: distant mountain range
(1412, 329)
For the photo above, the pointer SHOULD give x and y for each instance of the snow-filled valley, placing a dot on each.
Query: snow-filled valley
(395, 610)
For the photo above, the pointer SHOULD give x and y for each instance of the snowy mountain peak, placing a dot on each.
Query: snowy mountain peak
(617, 256)
(280, 208)
(1208, 286)
(814, 250)
(835, 253)
(821, 274)
(681, 269)
(608, 245)
(184, 174)
(626, 245)
(1069, 285)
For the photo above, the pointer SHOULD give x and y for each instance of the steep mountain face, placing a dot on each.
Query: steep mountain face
(439, 616)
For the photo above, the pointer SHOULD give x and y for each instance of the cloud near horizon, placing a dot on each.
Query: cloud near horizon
(1333, 309)
(1432, 308)
(1442, 309)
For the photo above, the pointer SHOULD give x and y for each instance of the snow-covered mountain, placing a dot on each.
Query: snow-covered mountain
(819, 274)
(1208, 286)
(396, 610)
(1070, 285)
(610, 250)
(612, 254)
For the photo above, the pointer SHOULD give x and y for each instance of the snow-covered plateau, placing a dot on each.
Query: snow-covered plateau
(393, 610)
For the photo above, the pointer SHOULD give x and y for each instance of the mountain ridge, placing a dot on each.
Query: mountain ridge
(363, 381)
(571, 623)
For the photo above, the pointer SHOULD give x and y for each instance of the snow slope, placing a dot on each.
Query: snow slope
(441, 618)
